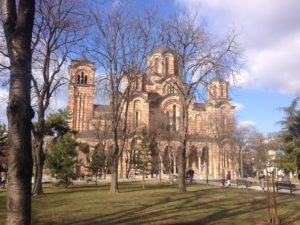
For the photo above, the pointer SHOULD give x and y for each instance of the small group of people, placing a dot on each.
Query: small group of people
(227, 179)
(190, 175)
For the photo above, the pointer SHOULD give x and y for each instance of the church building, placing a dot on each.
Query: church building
(155, 105)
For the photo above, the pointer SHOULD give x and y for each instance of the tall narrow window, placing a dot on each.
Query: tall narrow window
(225, 124)
(136, 119)
(167, 66)
(137, 83)
(222, 90)
(85, 79)
(215, 91)
(156, 61)
(174, 118)
(81, 78)
(78, 79)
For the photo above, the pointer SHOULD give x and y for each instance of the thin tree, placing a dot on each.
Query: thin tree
(198, 57)
(56, 32)
(120, 44)
(18, 19)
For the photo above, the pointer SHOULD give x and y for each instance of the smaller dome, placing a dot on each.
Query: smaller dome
(162, 50)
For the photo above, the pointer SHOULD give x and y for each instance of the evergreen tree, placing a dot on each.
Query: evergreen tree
(62, 160)
(57, 123)
(290, 138)
(99, 163)
(142, 155)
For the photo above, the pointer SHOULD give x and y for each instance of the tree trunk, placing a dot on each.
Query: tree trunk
(39, 158)
(182, 152)
(143, 179)
(18, 32)
(114, 176)
(181, 169)
(19, 114)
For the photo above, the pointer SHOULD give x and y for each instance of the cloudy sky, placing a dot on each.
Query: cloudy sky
(270, 36)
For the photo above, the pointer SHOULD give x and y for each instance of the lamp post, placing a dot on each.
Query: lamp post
(206, 159)
(242, 170)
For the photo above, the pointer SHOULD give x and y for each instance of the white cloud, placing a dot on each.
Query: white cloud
(245, 124)
(270, 34)
(238, 106)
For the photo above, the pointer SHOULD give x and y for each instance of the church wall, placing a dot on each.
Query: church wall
(204, 119)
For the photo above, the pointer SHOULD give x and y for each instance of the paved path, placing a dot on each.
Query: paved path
(252, 187)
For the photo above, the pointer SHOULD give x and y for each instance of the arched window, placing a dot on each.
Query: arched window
(167, 66)
(78, 79)
(156, 62)
(85, 79)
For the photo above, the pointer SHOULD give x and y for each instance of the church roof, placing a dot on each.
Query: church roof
(218, 79)
(82, 60)
(162, 50)
(102, 108)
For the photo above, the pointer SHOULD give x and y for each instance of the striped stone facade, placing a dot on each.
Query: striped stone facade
(156, 106)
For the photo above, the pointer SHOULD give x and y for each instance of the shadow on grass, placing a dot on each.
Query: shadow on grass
(179, 208)
(160, 204)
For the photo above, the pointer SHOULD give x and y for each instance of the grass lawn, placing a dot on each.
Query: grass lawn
(157, 204)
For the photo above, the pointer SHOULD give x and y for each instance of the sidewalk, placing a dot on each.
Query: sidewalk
(252, 187)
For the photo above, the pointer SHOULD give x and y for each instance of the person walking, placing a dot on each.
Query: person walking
(228, 179)
(223, 178)
(262, 180)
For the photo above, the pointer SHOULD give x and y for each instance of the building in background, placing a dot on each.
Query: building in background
(155, 105)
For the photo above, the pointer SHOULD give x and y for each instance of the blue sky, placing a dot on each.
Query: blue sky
(270, 36)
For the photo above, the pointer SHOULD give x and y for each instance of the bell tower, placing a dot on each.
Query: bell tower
(81, 94)
(217, 89)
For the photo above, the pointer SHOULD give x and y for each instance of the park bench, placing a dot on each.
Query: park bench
(242, 182)
(285, 185)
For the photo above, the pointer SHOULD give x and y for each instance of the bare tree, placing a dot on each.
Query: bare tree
(242, 136)
(18, 25)
(261, 144)
(58, 29)
(198, 57)
(222, 132)
(120, 43)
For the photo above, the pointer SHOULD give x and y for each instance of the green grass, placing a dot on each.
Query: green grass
(157, 204)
